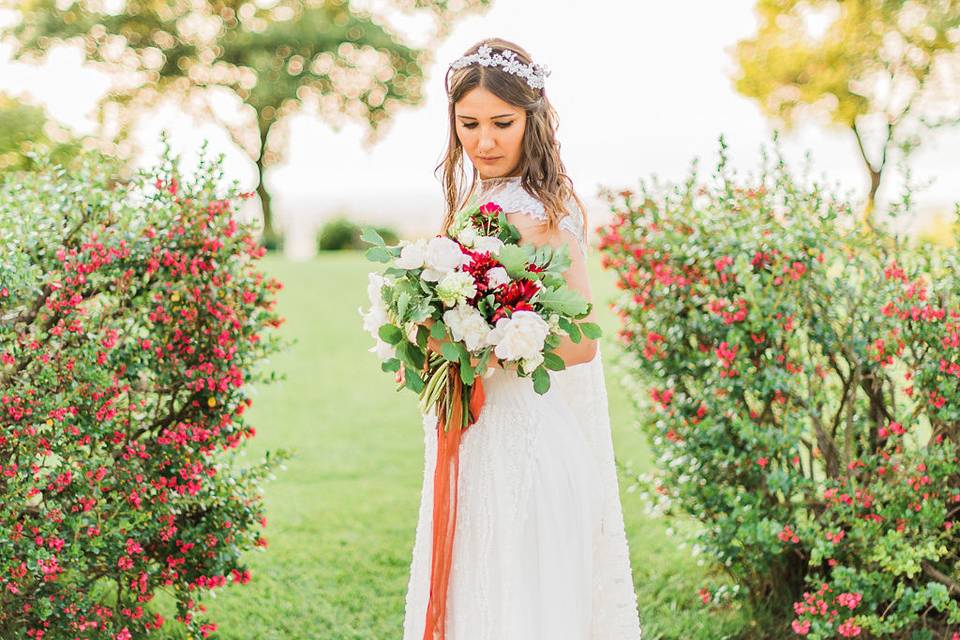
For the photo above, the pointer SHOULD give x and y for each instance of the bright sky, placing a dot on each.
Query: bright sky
(641, 89)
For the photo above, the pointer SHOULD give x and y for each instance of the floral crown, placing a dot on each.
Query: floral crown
(534, 73)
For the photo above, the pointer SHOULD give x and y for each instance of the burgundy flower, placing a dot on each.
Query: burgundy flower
(481, 262)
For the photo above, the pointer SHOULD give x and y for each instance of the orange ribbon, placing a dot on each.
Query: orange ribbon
(445, 498)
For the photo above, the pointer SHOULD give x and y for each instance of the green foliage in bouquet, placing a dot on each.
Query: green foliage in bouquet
(132, 320)
(804, 398)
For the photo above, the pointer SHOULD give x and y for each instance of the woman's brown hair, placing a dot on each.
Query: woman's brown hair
(542, 173)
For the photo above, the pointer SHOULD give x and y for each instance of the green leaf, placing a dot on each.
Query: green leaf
(572, 330)
(553, 362)
(438, 331)
(422, 334)
(378, 254)
(541, 380)
(416, 356)
(559, 260)
(403, 300)
(566, 302)
(370, 236)
(393, 364)
(391, 334)
(591, 330)
(482, 362)
(450, 351)
(413, 381)
(466, 371)
(514, 260)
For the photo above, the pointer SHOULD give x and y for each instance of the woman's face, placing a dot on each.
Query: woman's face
(490, 131)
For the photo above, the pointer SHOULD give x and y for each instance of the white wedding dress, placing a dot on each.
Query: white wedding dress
(540, 551)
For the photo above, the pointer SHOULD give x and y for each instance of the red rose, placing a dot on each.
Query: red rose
(490, 209)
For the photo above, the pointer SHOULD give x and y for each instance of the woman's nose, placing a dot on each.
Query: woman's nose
(486, 142)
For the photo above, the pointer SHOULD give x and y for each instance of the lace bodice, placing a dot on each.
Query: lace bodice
(510, 194)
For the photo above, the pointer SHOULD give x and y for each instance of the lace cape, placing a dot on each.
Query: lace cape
(512, 197)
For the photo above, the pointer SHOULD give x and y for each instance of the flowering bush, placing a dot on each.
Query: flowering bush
(804, 381)
(131, 318)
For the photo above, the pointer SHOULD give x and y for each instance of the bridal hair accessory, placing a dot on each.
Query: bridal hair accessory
(534, 73)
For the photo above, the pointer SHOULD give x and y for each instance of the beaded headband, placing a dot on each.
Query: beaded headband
(534, 73)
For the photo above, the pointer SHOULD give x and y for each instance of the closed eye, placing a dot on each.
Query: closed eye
(472, 125)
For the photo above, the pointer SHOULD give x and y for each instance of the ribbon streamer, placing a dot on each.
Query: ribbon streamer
(445, 479)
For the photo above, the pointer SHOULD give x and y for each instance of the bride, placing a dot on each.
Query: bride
(539, 551)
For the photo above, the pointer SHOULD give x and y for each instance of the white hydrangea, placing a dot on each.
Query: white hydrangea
(489, 244)
(497, 276)
(520, 336)
(467, 235)
(529, 364)
(443, 256)
(467, 324)
(456, 287)
(412, 255)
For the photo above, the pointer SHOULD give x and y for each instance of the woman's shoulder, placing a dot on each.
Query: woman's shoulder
(513, 198)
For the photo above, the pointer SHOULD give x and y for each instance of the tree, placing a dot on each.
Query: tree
(273, 57)
(878, 68)
(23, 128)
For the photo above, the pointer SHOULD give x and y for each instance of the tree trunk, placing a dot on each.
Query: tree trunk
(270, 238)
(867, 214)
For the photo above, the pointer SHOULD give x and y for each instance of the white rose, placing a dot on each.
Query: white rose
(489, 244)
(456, 287)
(384, 350)
(412, 255)
(467, 324)
(375, 282)
(497, 276)
(467, 235)
(443, 256)
(519, 336)
(373, 319)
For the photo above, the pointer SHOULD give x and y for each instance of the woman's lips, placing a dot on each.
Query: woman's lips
(489, 159)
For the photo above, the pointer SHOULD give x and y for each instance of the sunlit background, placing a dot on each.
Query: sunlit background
(641, 88)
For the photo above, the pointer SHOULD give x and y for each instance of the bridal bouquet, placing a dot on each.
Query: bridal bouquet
(477, 291)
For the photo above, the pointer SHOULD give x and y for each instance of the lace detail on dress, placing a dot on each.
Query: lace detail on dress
(510, 194)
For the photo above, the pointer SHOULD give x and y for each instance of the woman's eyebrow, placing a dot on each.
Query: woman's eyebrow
(502, 115)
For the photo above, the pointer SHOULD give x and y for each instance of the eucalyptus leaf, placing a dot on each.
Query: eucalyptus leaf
(590, 329)
(390, 333)
(378, 254)
(541, 380)
(450, 351)
(553, 362)
(566, 302)
(370, 236)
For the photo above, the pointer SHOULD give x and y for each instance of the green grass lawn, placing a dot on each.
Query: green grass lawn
(342, 515)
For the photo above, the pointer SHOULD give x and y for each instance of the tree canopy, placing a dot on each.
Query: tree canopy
(275, 57)
(880, 68)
